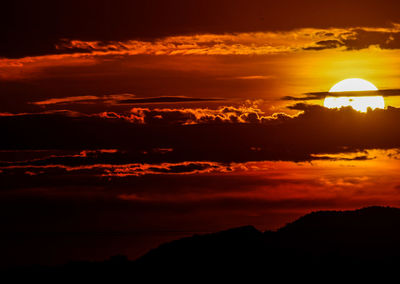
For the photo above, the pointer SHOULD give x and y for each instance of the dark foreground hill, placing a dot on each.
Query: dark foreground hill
(327, 244)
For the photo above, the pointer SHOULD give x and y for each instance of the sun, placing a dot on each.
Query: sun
(360, 103)
(353, 85)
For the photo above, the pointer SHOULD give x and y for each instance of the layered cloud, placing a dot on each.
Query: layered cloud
(117, 99)
(128, 116)
(34, 29)
(260, 43)
(255, 43)
(209, 44)
(108, 174)
(211, 60)
(226, 134)
(248, 113)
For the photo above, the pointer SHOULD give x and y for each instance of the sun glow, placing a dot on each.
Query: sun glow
(360, 103)
(352, 85)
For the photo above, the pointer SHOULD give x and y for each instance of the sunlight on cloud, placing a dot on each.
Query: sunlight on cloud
(358, 103)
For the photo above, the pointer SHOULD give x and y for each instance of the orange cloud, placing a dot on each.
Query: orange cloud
(85, 53)
(112, 99)
(256, 43)
(259, 43)
(247, 113)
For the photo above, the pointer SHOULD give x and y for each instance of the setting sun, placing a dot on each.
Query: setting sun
(353, 85)
(193, 137)
(360, 103)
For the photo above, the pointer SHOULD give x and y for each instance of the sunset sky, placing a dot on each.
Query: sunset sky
(130, 123)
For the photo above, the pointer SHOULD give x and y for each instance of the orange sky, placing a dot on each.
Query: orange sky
(264, 66)
(178, 118)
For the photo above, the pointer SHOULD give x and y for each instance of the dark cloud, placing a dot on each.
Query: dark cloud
(364, 39)
(146, 180)
(35, 28)
(63, 175)
(164, 100)
(322, 95)
(361, 38)
(331, 158)
(325, 44)
(304, 107)
(118, 99)
(177, 76)
(249, 113)
(308, 97)
(224, 135)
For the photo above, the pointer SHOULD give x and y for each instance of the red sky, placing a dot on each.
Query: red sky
(129, 124)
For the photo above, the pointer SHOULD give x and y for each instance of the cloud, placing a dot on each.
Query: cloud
(165, 168)
(256, 43)
(91, 166)
(200, 115)
(255, 77)
(84, 99)
(116, 99)
(30, 34)
(85, 55)
(362, 38)
(112, 163)
(165, 99)
(341, 157)
(249, 112)
(223, 135)
(322, 95)
(325, 44)
(249, 43)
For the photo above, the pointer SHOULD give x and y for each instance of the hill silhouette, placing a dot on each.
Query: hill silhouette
(320, 244)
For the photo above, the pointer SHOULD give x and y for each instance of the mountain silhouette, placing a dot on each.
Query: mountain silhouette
(327, 244)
